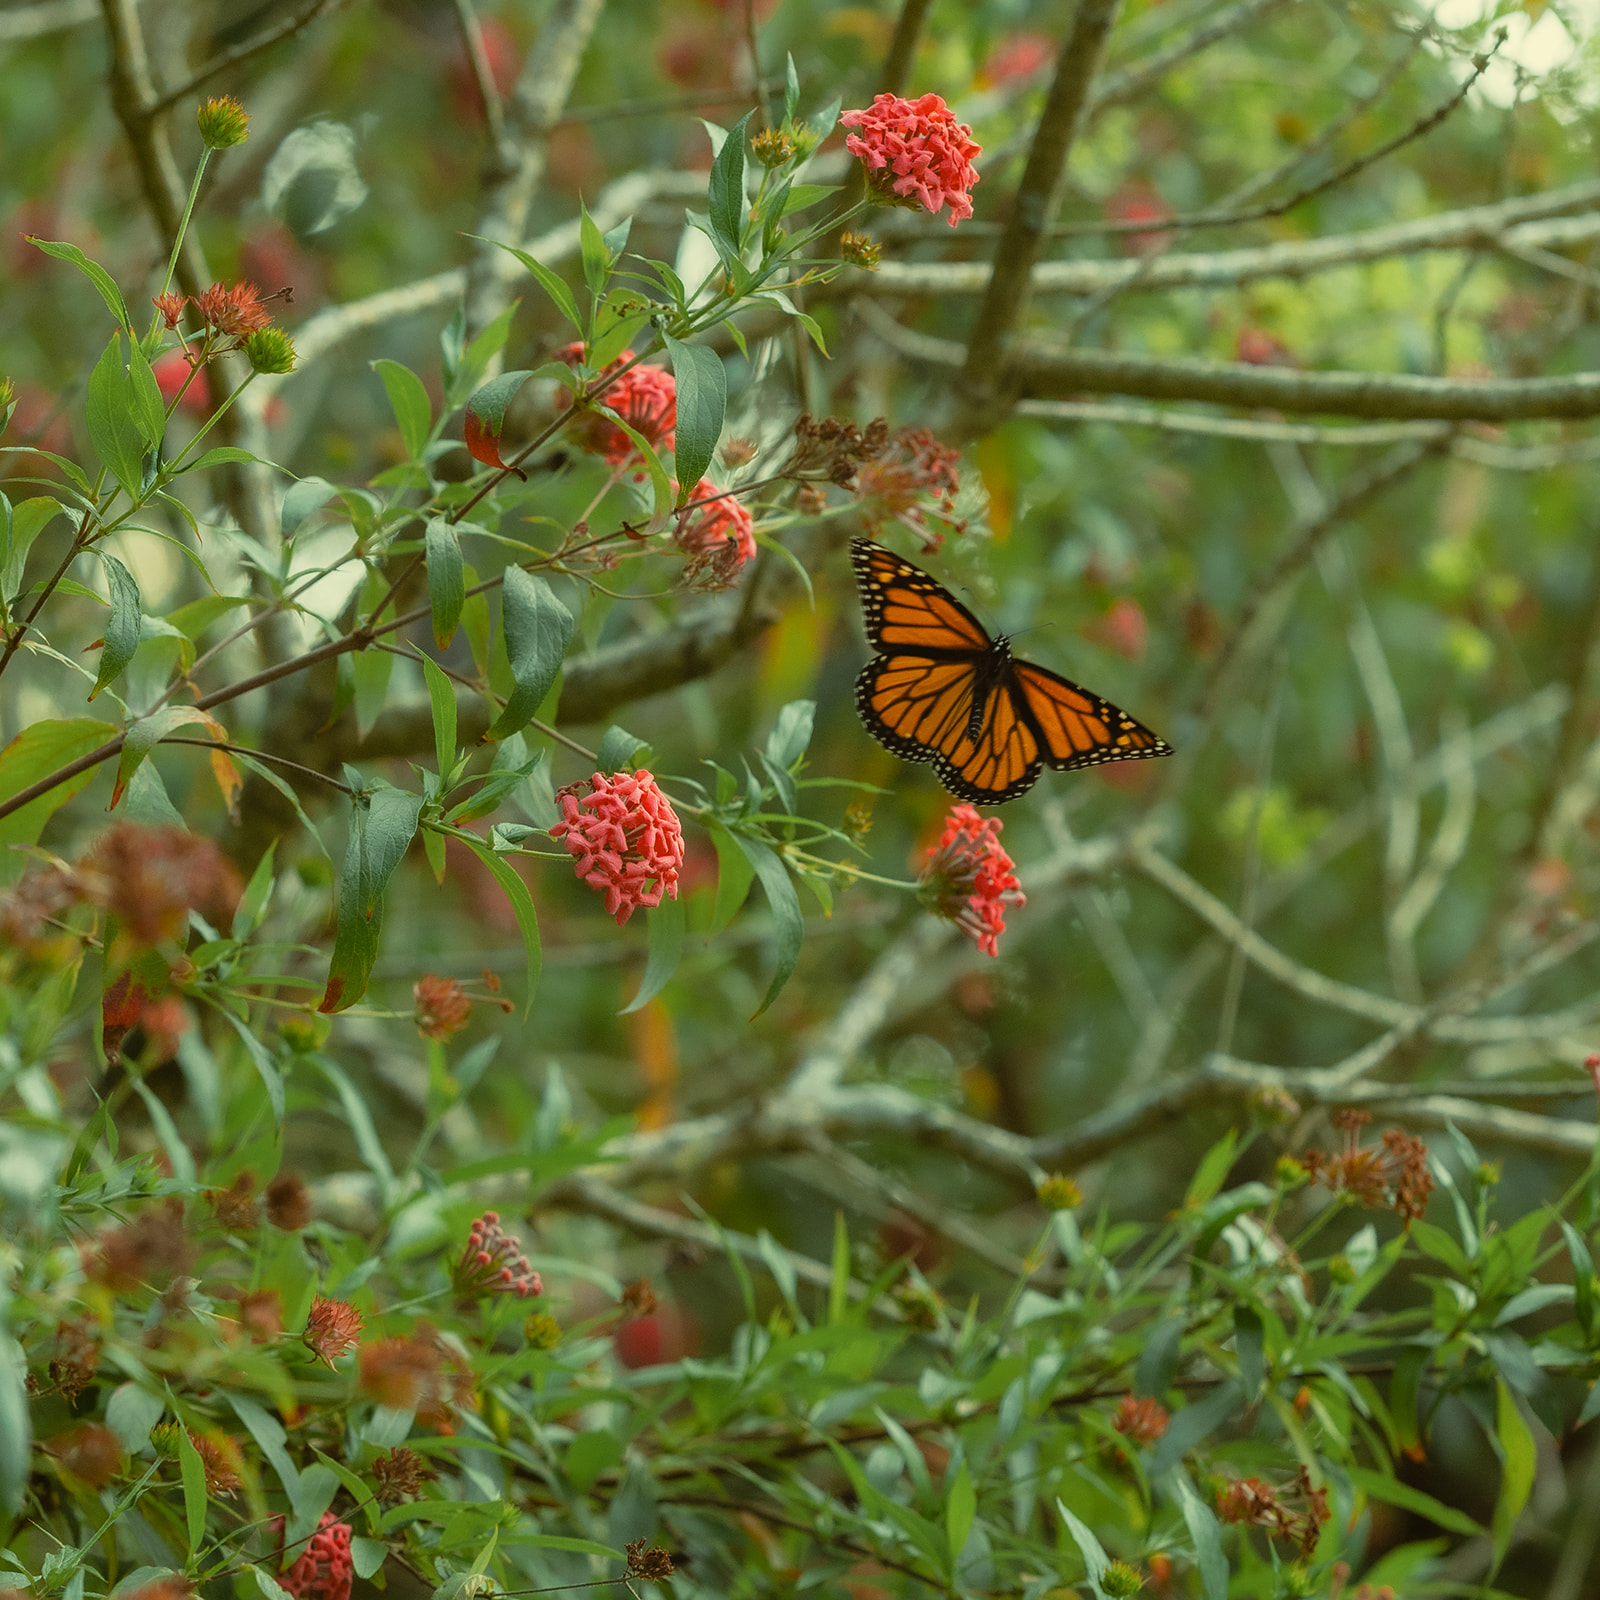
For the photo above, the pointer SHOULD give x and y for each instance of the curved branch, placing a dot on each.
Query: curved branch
(254, 45)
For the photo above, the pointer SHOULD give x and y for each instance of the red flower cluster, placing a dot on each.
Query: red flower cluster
(493, 1263)
(914, 479)
(626, 838)
(1141, 1420)
(646, 398)
(231, 309)
(915, 152)
(331, 1329)
(719, 539)
(1251, 1501)
(969, 879)
(1394, 1174)
(324, 1569)
(443, 1007)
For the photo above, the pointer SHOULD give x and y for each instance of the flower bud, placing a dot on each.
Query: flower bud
(164, 1439)
(8, 402)
(737, 453)
(773, 147)
(860, 249)
(542, 1331)
(269, 350)
(1120, 1581)
(1058, 1193)
(222, 122)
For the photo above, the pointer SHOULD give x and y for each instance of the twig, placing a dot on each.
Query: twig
(482, 73)
(752, 44)
(902, 52)
(34, 22)
(263, 755)
(242, 51)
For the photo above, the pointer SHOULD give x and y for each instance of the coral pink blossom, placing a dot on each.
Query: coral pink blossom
(626, 838)
(969, 879)
(646, 398)
(324, 1568)
(916, 153)
(493, 1263)
(720, 538)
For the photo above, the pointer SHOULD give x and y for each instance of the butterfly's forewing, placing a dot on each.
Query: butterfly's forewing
(905, 609)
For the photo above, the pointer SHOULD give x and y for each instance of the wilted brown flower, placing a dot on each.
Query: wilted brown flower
(152, 1249)
(420, 1374)
(1258, 1504)
(332, 1329)
(443, 1007)
(833, 448)
(30, 912)
(653, 1564)
(236, 1207)
(401, 1473)
(91, 1452)
(73, 1365)
(234, 309)
(1394, 1174)
(150, 878)
(913, 482)
(638, 1299)
(1140, 1419)
(288, 1202)
(221, 1460)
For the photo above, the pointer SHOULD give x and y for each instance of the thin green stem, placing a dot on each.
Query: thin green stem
(177, 238)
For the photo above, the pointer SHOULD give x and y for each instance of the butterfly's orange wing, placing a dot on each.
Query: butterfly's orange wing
(1077, 728)
(905, 609)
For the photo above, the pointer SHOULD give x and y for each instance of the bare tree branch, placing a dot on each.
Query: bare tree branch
(254, 45)
(19, 23)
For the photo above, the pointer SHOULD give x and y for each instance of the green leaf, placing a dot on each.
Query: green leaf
(112, 417)
(960, 1508)
(252, 908)
(370, 672)
(194, 1489)
(552, 285)
(734, 877)
(35, 753)
(486, 415)
(382, 823)
(474, 361)
(725, 195)
(221, 455)
(1212, 1171)
(1379, 1486)
(788, 924)
(1583, 1280)
(1405, 1389)
(1249, 1338)
(791, 89)
(1089, 1547)
(839, 1273)
(791, 733)
(122, 630)
(516, 892)
(596, 257)
(665, 924)
(442, 694)
(702, 403)
(619, 748)
(367, 1556)
(1518, 1459)
(1207, 1537)
(93, 271)
(16, 1427)
(409, 401)
(24, 523)
(147, 733)
(150, 410)
(304, 497)
(538, 629)
(447, 589)
(132, 1412)
(359, 1121)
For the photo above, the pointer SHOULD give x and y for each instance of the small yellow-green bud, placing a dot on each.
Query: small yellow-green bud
(1120, 1581)
(1341, 1270)
(164, 1439)
(860, 249)
(918, 1304)
(1488, 1173)
(1058, 1193)
(222, 122)
(772, 147)
(1274, 1105)
(542, 1331)
(269, 350)
(304, 1034)
(1290, 1174)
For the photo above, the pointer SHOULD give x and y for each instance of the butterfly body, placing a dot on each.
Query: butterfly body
(941, 690)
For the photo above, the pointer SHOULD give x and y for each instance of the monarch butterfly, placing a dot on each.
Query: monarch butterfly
(941, 690)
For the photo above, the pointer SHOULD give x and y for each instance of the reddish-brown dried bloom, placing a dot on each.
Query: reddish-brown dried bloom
(234, 310)
(420, 1374)
(1140, 1419)
(221, 1460)
(915, 153)
(91, 1452)
(236, 1208)
(332, 1329)
(638, 1299)
(152, 1249)
(626, 838)
(261, 1314)
(324, 1569)
(719, 538)
(1258, 1504)
(288, 1202)
(150, 878)
(30, 910)
(493, 1263)
(400, 1473)
(170, 306)
(915, 479)
(653, 1564)
(1394, 1174)
(77, 1358)
(442, 1006)
(645, 397)
(969, 879)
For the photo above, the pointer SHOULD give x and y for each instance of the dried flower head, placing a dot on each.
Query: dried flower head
(153, 1249)
(915, 153)
(833, 448)
(400, 1474)
(638, 1299)
(541, 1330)
(31, 913)
(914, 481)
(493, 1263)
(969, 879)
(420, 1374)
(652, 1564)
(1393, 1173)
(288, 1202)
(90, 1452)
(269, 350)
(626, 838)
(1058, 1193)
(236, 1208)
(736, 453)
(719, 538)
(773, 147)
(150, 878)
(233, 309)
(170, 306)
(222, 122)
(221, 1461)
(332, 1329)
(645, 397)
(1140, 1419)
(860, 249)
(443, 1007)
(324, 1569)
(1256, 1503)
(77, 1358)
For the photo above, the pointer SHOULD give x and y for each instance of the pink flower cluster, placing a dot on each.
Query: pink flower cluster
(324, 1568)
(646, 398)
(493, 1263)
(626, 838)
(969, 879)
(721, 538)
(916, 153)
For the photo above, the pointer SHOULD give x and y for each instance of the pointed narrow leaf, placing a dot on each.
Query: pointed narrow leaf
(552, 285)
(1392, 1492)
(150, 410)
(147, 733)
(382, 823)
(29, 518)
(734, 877)
(93, 271)
(486, 415)
(35, 753)
(538, 629)
(472, 363)
(592, 247)
(1089, 1547)
(112, 418)
(409, 402)
(725, 195)
(447, 589)
(788, 925)
(521, 902)
(1207, 1537)
(122, 631)
(442, 694)
(702, 385)
(665, 923)
(194, 1489)
(1518, 1459)
(304, 497)
(960, 1507)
